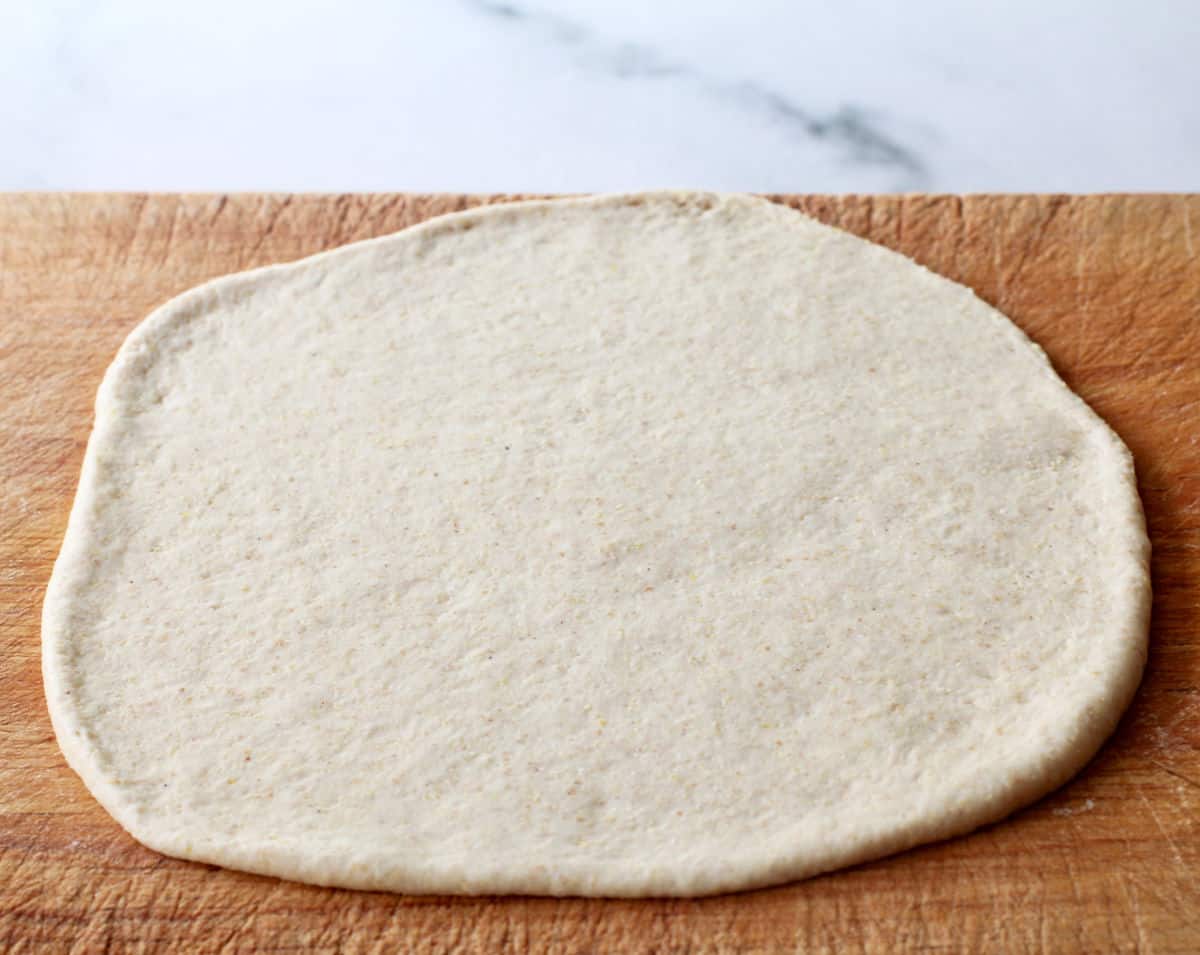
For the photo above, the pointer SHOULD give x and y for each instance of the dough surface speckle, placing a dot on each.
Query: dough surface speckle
(663, 544)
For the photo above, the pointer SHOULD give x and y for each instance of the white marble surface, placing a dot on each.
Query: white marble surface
(563, 95)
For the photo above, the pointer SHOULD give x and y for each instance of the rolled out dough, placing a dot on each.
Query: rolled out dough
(653, 544)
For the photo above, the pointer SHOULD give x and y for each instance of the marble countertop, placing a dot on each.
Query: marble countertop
(581, 95)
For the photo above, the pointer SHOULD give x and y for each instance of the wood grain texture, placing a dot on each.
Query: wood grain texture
(1110, 286)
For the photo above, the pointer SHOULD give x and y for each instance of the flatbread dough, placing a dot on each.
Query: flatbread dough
(635, 545)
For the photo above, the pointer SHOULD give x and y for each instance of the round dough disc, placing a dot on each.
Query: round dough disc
(654, 544)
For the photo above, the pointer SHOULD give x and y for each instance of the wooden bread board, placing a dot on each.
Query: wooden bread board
(1108, 285)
